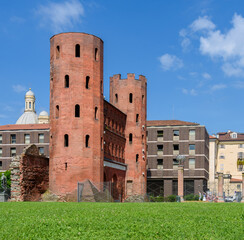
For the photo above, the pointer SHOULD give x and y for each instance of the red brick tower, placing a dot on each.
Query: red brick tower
(76, 111)
(130, 96)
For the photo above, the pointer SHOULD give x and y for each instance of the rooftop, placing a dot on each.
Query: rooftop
(230, 136)
(10, 127)
(170, 123)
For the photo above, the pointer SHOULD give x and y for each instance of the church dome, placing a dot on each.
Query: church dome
(28, 118)
(44, 114)
(30, 93)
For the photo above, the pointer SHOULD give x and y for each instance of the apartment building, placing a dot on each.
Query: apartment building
(166, 139)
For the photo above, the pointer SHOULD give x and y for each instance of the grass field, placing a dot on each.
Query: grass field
(121, 221)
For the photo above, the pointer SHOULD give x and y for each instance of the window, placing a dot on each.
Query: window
(130, 138)
(29, 105)
(175, 164)
(77, 110)
(130, 97)
(191, 163)
(41, 150)
(176, 148)
(1, 164)
(66, 166)
(160, 164)
(96, 54)
(57, 111)
(176, 133)
(160, 134)
(221, 157)
(87, 141)
(137, 157)
(221, 167)
(221, 146)
(13, 138)
(1, 139)
(238, 186)
(41, 138)
(142, 98)
(116, 97)
(234, 135)
(13, 152)
(57, 51)
(66, 81)
(96, 113)
(240, 146)
(87, 82)
(192, 134)
(137, 118)
(240, 155)
(77, 50)
(1, 152)
(192, 147)
(66, 140)
(160, 149)
(27, 138)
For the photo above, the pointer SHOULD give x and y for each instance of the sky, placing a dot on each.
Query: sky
(191, 52)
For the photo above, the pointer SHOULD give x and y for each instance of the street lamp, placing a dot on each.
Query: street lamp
(181, 159)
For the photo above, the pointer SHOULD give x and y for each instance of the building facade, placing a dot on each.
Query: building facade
(168, 139)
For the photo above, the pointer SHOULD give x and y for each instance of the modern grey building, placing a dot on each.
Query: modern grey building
(165, 140)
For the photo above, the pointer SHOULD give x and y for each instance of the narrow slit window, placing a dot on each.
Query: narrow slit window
(66, 140)
(57, 51)
(96, 113)
(131, 98)
(66, 81)
(116, 97)
(77, 50)
(57, 111)
(130, 138)
(87, 82)
(87, 141)
(66, 166)
(137, 157)
(96, 54)
(142, 98)
(137, 118)
(77, 110)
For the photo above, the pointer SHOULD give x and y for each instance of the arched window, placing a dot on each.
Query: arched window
(130, 138)
(131, 98)
(137, 118)
(96, 113)
(96, 54)
(66, 140)
(57, 51)
(29, 105)
(116, 97)
(77, 50)
(137, 157)
(77, 110)
(57, 111)
(66, 81)
(87, 141)
(87, 82)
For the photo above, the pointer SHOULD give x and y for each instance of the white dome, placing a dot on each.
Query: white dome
(28, 118)
(43, 113)
(30, 93)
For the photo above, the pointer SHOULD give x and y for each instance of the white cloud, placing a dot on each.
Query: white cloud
(238, 85)
(206, 75)
(217, 87)
(227, 46)
(191, 92)
(61, 15)
(19, 88)
(202, 23)
(170, 62)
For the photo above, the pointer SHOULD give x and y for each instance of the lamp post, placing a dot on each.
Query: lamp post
(181, 159)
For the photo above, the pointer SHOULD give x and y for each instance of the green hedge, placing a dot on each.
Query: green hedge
(191, 197)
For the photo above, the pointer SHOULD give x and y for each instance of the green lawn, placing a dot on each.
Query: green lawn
(121, 220)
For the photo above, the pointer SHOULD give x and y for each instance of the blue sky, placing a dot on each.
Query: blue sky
(192, 53)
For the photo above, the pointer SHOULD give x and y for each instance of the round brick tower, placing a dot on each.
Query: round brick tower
(130, 95)
(76, 111)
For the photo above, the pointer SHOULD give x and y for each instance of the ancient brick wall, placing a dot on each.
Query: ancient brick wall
(29, 175)
(130, 96)
(76, 111)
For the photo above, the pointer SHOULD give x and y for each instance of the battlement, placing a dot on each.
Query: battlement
(130, 76)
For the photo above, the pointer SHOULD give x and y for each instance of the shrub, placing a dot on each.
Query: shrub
(157, 199)
(170, 198)
(191, 197)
